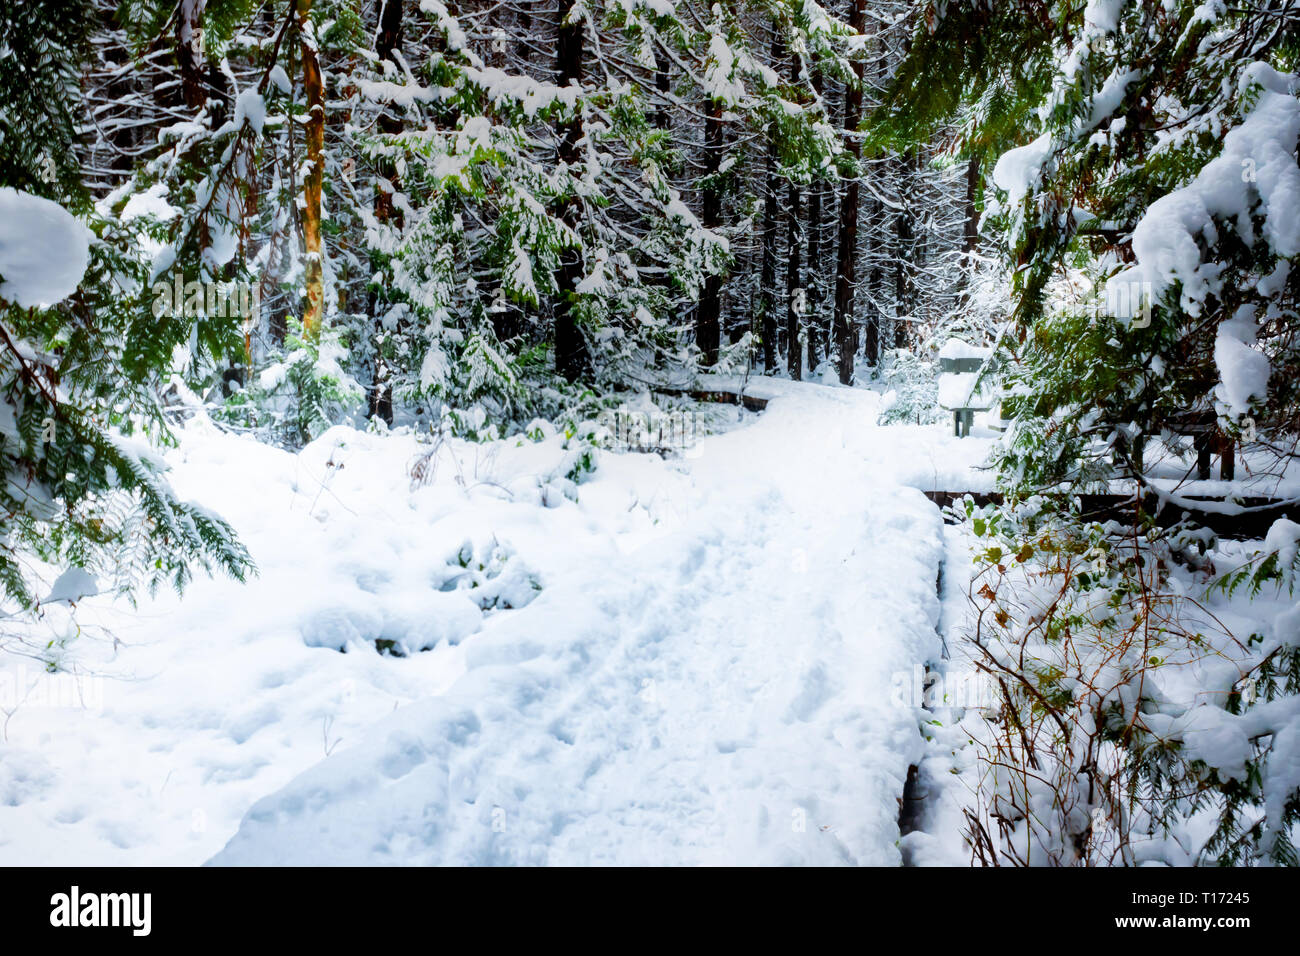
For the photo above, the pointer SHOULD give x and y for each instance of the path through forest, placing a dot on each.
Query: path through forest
(709, 673)
(726, 694)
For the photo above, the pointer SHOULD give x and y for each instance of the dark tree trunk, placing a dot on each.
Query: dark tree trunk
(571, 357)
(125, 137)
(766, 324)
(766, 318)
(793, 284)
(662, 84)
(846, 264)
(794, 290)
(189, 56)
(814, 273)
(871, 336)
(737, 320)
(871, 324)
(971, 228)
(388, 40)
(709, 312)
(522, 48)
(218, 95)
(904, 259)
(813, 321)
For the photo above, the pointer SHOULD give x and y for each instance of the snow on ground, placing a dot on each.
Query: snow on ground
(949, 771)
(676, 661)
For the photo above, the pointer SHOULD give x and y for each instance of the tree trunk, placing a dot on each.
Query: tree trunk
(766, 318)
(189, 51)
(709, 312)
(388, 39)
(813, 315)
(766, 324)
(793, 284)
(662, 63)
(871, 343)
(846, 265)
(971, 228)
(904, 258)
(523, 49)
(314, 272)
(571, 357)
(794, 291)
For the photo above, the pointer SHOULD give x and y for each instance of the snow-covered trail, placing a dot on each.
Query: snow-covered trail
(719, 695)
(707, 674)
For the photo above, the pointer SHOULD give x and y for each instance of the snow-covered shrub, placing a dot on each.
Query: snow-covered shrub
(911, 389)
(496, 576)
(476, 578)
(300, 394)
(1131, 725)
(581, 442)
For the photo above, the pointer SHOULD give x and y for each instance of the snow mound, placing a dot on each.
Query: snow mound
(44, 251)
(956, 348)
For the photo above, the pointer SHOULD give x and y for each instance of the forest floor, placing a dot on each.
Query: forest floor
(692, 659)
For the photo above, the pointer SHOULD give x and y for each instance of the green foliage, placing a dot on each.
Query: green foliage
(77, 493)
(44, 42)
(145, 21)
(79, 376)
(303, 391)
(1124, 105)
(986, 65)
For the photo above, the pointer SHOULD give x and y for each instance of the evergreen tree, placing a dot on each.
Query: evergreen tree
(83, 354)
(1147, 216)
